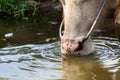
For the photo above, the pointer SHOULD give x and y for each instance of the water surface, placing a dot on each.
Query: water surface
(31, 51)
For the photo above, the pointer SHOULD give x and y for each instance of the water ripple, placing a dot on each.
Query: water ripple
(108, 52)
(30, 52)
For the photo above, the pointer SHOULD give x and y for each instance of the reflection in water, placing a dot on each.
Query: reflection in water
(31, 62)
(34, 61)
(29, 34)
(29, 52)
(25, 54)
(84, 68)
(103, 65)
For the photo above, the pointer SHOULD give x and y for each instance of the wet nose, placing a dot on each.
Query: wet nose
(71, 47)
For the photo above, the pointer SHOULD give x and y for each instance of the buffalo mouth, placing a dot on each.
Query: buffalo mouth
(72, 47)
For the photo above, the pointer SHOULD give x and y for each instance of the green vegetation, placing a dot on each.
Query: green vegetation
(18, 8)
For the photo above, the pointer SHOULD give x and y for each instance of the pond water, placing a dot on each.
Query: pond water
(31, 51)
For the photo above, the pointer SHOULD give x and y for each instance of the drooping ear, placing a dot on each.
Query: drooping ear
(117, 12)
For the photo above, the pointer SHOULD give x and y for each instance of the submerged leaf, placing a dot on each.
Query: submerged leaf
(3, 39)
(48, 39)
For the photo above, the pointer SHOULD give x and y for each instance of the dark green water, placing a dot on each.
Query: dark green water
(31, 51)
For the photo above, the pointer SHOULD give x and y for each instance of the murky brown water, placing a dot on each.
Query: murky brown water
(27, 54)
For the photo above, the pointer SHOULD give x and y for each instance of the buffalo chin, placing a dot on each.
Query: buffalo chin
(88, 48)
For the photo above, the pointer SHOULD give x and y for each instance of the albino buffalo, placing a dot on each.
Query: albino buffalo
(80, 17)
